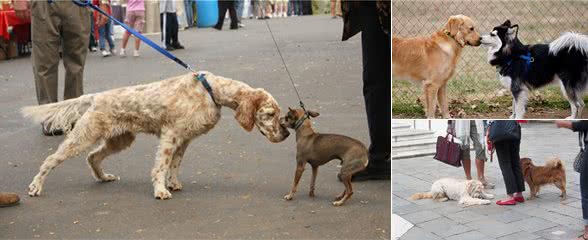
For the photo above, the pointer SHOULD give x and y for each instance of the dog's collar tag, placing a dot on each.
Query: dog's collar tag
(201, 78)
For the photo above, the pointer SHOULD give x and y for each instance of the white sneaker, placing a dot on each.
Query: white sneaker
(122, 53)
(106, 53)
(284, 15)
(241, 25)
(113, 51)
(94, 49)
(136, 53)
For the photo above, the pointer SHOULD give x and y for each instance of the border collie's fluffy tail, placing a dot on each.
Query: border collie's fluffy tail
(418, 196)
(554, 163)
(569, 41)
(60, 115)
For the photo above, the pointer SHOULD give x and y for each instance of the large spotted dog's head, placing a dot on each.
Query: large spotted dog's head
(259, 108)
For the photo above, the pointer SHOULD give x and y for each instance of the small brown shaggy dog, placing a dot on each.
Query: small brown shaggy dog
(537, 176)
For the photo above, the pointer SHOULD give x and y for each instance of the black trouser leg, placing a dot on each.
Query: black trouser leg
(508, 160)
(222, 10)
(516, 165)
(376, 86)
(174, 28)
(233, 14)
(584, 188)
(165, 28)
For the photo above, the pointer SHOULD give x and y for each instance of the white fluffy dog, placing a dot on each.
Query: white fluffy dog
(467, 192)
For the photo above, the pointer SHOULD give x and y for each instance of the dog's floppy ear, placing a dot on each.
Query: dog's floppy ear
(452, 27)
(248, 105)
(313, 113)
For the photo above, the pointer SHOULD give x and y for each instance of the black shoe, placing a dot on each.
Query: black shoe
(178, 46)
(170, 48)
(370, 174)
(47, 132)
(218, 28)
(235, 28)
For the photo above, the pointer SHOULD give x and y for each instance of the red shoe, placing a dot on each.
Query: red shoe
(520, 199)
(506, 202)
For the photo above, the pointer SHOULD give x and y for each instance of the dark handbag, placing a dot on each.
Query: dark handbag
(448, 152)
(579, 160)
(504, 130)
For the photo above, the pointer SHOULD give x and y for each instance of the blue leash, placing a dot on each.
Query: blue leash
(199, 77)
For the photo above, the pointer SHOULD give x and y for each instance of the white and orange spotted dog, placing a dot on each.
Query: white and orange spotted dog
(176, 110)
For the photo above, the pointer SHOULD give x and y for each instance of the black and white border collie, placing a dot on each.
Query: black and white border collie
(522, 68)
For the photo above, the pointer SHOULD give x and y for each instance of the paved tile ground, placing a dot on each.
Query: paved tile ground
(233, 180)
(542, 218)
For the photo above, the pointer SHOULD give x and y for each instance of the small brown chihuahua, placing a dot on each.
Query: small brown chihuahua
(318, 149)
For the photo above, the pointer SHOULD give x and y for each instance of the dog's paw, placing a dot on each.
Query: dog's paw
(109, 178)
(486, 202)
(289, 196)
(489, 196)
(174, 185)
(162, 194)
(338, 203)
(35, 189)
(311, 194)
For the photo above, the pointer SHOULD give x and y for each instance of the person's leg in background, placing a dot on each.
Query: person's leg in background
(109, 36)
(139, 25)
(75, 33)
(45, 55)
(376, 90)
(222, 11)
(584, 194)
(175, 29)
(92, 45)
(333, 5)
(239, 4)
(233, 14)
(507, 160)
(516, 167)
(480, 154)
(466, 160)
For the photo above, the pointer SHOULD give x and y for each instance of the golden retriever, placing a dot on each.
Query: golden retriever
(432, 59)
(537, 176)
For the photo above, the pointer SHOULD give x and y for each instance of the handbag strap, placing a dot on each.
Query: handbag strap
(581, 141)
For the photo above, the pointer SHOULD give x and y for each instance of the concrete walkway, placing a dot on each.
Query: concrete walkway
(542, 218)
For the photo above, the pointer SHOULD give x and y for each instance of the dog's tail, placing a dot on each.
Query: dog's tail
(61, 115)
(554, 163)
(419, 196)
(569, 41)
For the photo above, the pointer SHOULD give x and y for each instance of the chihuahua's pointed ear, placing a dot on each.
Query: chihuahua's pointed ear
(313, 113)
(507, 23)
(290, 109)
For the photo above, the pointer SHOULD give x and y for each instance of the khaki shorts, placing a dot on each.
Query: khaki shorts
(136, 20)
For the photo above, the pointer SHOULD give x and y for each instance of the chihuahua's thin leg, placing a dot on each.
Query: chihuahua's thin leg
(299, 171)
(312, 180)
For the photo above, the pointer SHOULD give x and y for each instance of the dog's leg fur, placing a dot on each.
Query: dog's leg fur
(487, 195)
(80, 138)
(430, 91)
(568, 97)
(442, 100)
(173, 183)
(299, 171)
(470, 201)
(562, 187)
(348, 190)
(520, 103)
(168, 146)
(313, 180)
(108, 147)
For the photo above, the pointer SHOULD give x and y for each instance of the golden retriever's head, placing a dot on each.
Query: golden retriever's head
(259, 108)
(463, 30)
(475, 188)
(294, 116)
